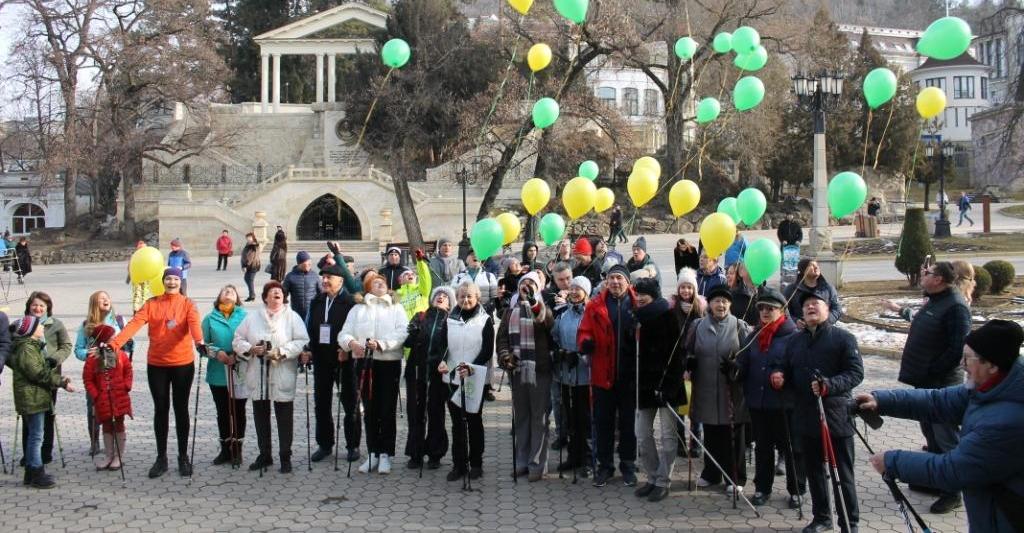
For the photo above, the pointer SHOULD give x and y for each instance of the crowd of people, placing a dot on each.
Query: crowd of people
(587, 340)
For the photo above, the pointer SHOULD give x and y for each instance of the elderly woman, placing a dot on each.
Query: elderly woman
(524, 351)
(272, 338)
(374, 332)
(57, 346)
(225, 370)
(573, 374)
(717, 401)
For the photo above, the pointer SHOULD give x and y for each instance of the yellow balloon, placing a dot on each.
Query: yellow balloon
(648, 162)
(535, 194)
(522, 6)
(930, 102)
(539, 57)
(683, 197)
(156, 285)
(605, 199)
(509, 227)
(578, 197)
(642, 185)
(146, 263)
(717, 232)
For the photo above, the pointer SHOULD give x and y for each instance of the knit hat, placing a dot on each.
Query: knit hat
(581, 282)
(583, 247)
(770, 296)
(443, 241)
(640, 243)
(368, 280)
(331, 270)
(302, 257)
(172, 271)
(648, 286)
(25, 327)
(619, 269)
(720, 291)
(176, 241)
(448, 291)
(687, 275)
(998, 342)
(534, 277)
(395, 249)
(103, 333)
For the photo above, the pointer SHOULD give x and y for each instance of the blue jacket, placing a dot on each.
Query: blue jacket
(180, 259)
(735, 251)
(82, 342)
(567, 323)
(706, 282)
(218, 332)
(755, 367)
(986, 462)
(300, 288)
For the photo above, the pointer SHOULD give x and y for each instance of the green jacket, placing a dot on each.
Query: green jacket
(58, 343)
(34, 380)
(351, 284)
(218, 332)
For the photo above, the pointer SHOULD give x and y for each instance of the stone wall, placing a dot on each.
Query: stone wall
(54, 257)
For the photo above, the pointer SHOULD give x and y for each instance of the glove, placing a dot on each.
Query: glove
(51, 362)
(572, 359)
(201, 348)
(413, 329)
(420, 256)
(333, 247)
(508, 361)
(691, 364)
(730, 369)
(530, 297)
(587, 346)
(659, 397)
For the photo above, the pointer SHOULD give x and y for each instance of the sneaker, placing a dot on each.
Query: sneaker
(818, 526)
(159, 467)
(601, 477)
(384, 464)
(629, 478)
(728, 490)
(759, 499)
(780, 466)
(644, 490)
(946, 503)
(184, 466)
(434, 464)
(370, 464)
(658, 494)
(476, 472)
(703, 483)
(320, 454)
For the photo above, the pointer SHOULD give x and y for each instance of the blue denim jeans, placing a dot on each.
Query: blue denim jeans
(34, 444)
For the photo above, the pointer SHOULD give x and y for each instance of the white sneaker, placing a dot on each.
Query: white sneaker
(728, 490)
(370, 465)
(385, 464)
(701, 482)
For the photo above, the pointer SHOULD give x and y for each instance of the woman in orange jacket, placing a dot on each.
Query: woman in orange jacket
(174, 334)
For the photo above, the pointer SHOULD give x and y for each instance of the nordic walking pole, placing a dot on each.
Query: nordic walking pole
(232, 414)
(60, 442)
(467, 484)
(359, 400)
(337, 424)
(260, 394)
(113, 428)
(732, 439)
(573, 437)
(3, 458)
(901, 499)
(792, 461)
(420, 413)
(559, 414)
(830, 458)
(266, 396)
(515, 466)
(195, 413)
(14, 452)
(309, 450)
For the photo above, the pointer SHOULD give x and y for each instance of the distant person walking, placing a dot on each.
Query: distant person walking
(964, 205)
(278, 256)
(615, 228)
(250, 264)
(224, 250)
(179, 258)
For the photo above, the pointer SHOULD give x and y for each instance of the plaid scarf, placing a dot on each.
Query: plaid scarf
(521, 337)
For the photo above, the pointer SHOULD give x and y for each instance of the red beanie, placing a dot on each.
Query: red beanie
(583, 247)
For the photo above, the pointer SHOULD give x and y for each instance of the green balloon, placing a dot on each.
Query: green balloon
(879, 87)
(846, 193)
(574, 10)
(748, 93)
(486, 238)
(589, 170)
(722, 42)
(745, 40)
(708, 110)
(752, 61)
(946, 38)
(552, 227)
(685, 48)
(750, 205)
(728, 207)
(395, 53)
(545, 112)
(762, 259)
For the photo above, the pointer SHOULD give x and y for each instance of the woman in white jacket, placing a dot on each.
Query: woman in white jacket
(374, 332)
(272, 338)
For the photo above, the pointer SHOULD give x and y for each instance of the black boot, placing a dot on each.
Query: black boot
(236, 461)
(42, 480)
(262, 461)
(159, 467)
(286, 464)
(225, 453)
(184, 466)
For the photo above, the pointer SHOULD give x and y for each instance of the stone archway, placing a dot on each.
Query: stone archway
(328, 218)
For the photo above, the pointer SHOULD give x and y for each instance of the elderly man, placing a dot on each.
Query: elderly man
(931, 357)
(607, 336)
(445, 265)
(710, 274)
(301, 284)
(986, 464)
(556, 298)
(822, 361)
(641, 265)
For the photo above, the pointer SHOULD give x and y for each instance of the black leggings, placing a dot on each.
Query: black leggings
(165, 382)
(380, 404)
(221, 400)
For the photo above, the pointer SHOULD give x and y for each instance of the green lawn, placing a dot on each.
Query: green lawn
(1015, 211)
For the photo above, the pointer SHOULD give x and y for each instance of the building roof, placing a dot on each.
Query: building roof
(963, 60)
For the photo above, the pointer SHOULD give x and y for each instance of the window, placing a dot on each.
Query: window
(936, 82)
(963, 87)
(999, 60)
(631, 101)
(606, 95)
(651, 99)
(956, 117)
(988, 54)
(28, 217)
(984, 88)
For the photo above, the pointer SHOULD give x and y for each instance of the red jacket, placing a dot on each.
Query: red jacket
(120, 380)
(597, 326)
(224, 246)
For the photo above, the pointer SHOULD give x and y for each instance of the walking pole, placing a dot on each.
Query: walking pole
(560, 448)
(901, 499)
(259, 396)
(232, 434)
(573, 437)
(266, 396)
(14, 454)
(830, 460)
(515, 466)
(60, 442)
(732, 439)
(113, 428)
(309, 450)
(792, 461)
(337, 424)
(467, 484)
(420, 415)
(3, 458)
(359, 399)
(195, 413)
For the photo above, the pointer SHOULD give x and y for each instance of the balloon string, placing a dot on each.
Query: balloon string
(867, 135)
(878, 152)
(501, 87)
(913, 160)
(373, 105)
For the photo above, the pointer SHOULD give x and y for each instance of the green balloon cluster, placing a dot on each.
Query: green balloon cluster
(545, 112)
(685, 48)
(879, 87)
(728, 207)
(946, 38)
(846, 193)
(752, 61)
(745, 40)
(762, 260)
(750, 205)
(486, 237)
(748, 93)
(708, 110)
(395, 53)
(722, 43)
(589, 170)
(574, 10)
(552, 227)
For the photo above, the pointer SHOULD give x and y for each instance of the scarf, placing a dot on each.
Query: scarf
(226, 309)
(448, 265)
(521, 337)
(764, 337)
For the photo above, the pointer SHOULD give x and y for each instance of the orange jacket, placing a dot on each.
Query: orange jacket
(174, 330)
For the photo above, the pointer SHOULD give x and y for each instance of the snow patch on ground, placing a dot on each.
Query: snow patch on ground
(868, 336)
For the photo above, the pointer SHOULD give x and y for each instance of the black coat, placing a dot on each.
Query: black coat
(24, 258)
(336, 316)
(932, 353)
(661, 355)
(790, 232)
(755, 368)
(689, 258)
(427, 342)
(391, 274)
(743, 306)
(831, 352)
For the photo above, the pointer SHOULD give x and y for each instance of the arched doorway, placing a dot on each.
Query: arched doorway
(329, 218)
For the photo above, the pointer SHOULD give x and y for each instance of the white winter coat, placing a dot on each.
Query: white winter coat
(287, 333)
(378, 318)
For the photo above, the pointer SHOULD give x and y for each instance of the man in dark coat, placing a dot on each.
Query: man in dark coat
(789, 231)
(822, 361)
(301, 284)
(392, 268)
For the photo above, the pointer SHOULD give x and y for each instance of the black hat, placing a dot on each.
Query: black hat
(618, 269)
(331, 270)
(998, 342)
(804, 295)
(720, 291)
(648, 286)
(770, 296)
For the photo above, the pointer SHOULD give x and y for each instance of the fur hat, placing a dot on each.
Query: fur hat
(648, 286)
(25, 327)
(581, 282)
(448, 291)
(583, 247)
(687, 275)
(998, 342)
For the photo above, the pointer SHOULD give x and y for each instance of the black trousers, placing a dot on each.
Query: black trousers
(717, 440)
(615, 408)
(325, 376)
(170, 385)
(819, 482)
(380, 404)
(47, 453)
(472, 429)
(222, 259)
(250, 278)
(222, 401)
(770, 437)
(424, 402)
(940, 438)
(284, 416)
(576, 413)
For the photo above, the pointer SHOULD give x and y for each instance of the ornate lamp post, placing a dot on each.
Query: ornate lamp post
(465, 174)
(819, 94)
(939, 153)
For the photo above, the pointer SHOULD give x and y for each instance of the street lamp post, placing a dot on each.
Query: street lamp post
(465, 175)
(940, 153)
(819, 94)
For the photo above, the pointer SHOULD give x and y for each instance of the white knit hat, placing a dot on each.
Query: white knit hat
(687, 275)
(581, 282)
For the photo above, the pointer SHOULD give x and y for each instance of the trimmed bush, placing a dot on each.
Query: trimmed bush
(982, 282)
(915, 245)
(1002, 274)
